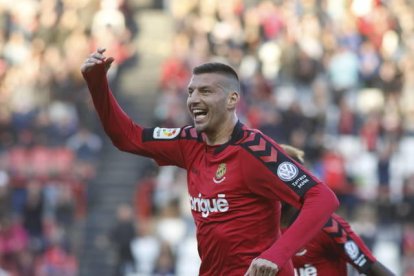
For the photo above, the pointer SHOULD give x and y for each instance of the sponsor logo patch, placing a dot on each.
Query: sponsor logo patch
(353, 252)
(351, 249)
(287, 171)
(165, 133)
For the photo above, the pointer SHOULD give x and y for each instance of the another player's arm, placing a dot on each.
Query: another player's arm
(378, 269)
(353, 249)
(339, 231)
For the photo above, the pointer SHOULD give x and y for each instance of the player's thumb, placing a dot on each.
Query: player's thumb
(108, 63)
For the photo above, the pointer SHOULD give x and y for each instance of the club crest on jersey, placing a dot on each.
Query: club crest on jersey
(221, 171)
(165, 133)
(287, 171)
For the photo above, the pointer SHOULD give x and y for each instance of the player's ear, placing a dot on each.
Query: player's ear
(233, 99)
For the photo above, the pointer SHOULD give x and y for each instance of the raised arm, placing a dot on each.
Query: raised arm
(123, 132)
(161, 144)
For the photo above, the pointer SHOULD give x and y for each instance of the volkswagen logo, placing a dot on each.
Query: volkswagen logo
(287, 171)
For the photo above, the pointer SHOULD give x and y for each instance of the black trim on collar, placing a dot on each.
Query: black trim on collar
(236, 135)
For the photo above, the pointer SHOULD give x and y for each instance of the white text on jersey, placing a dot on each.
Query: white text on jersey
(209, 205)
(307, 270)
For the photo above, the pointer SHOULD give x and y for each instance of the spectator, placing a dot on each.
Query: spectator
(56, 261)
(145, 247)
(14, 240)
(85, 144)
(165, 264)
(33, 215)
(122, 234)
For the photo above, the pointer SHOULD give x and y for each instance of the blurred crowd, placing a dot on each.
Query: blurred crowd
(49, 134)
(332, 77)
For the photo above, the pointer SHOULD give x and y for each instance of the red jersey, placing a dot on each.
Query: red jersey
(329, 252)
(234, 189)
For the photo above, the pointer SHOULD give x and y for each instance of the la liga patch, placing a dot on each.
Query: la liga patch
(165, 133)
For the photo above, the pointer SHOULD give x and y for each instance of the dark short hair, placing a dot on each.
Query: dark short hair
(215, 67)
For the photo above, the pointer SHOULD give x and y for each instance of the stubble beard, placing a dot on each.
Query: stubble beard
(200, 128)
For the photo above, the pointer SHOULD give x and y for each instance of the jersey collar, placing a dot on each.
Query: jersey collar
(236, 135)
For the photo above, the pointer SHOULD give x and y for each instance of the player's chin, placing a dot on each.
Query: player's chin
(200, 126)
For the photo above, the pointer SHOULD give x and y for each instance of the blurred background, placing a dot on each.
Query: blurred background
(332, 77)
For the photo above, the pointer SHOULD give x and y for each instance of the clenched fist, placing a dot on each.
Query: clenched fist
(262, 267)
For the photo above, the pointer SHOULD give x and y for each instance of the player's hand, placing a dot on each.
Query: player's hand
(96, 59)
(262, 267)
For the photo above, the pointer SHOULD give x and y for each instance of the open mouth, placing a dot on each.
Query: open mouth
(199, 114)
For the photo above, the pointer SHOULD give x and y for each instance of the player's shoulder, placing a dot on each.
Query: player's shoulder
(249, 134)
(260, 145)
(254, 140)
(189, 132)
(337, 228)
(323, 239)
(341, 221)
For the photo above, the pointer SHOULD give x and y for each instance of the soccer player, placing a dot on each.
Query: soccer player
(336, 245)
(236, 176)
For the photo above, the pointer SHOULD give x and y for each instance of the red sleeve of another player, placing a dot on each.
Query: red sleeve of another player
(349, 244)
(318, 204)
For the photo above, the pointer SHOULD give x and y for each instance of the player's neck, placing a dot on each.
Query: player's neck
(223, 134)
